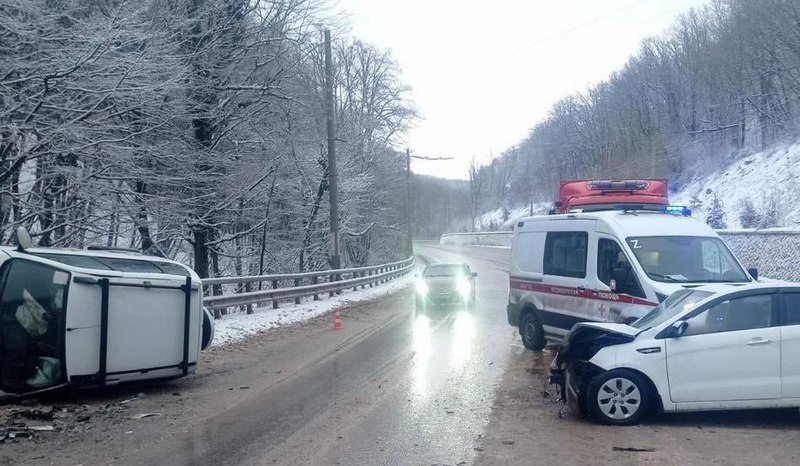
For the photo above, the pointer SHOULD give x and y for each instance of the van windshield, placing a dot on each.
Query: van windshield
(686, 259)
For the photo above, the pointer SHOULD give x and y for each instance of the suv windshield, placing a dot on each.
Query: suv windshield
(686, 259)
(449, 270)
(683, 300)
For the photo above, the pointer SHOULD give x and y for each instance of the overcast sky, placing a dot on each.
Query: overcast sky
(483, 73)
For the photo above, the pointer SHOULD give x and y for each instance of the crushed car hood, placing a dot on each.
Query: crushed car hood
(587, 338)
(620, 329)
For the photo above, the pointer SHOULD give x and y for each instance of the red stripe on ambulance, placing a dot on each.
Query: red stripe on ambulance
(584, 293)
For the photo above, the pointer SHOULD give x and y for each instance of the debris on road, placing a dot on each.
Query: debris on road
(42, 413)
(45, 428)
(633, 449)
(144, 415)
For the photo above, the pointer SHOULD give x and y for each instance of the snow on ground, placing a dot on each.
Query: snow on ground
(235, 327)
(758, 177)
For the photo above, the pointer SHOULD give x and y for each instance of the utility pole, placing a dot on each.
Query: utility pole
(409, 241)
(333, 189)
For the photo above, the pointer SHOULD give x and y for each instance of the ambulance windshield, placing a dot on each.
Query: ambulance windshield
(686, 259)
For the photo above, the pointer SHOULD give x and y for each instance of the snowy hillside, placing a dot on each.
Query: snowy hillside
(768, 180)
(503, 219)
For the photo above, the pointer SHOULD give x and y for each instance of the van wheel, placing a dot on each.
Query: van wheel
(618, 397)
(208, 329)
(531, 331)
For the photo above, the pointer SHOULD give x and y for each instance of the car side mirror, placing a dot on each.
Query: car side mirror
(473, 274)
(677, 329)
(612, 285)
(753, 273)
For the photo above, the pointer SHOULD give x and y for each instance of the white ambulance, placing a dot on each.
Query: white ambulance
(71, 318)
(609, 265)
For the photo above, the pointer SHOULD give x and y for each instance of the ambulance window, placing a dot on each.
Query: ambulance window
(527, 255)
(613, 264)
(565, 254)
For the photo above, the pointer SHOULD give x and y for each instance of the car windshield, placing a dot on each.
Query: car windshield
(686, 259)
(444, 270)
(680, 301)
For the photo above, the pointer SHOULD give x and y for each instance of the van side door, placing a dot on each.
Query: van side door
(564, 285)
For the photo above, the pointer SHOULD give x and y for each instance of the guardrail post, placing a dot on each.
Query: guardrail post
(275, 301)
(249, 307)
(314, 280)
(297, 283)
(331, 280)
(363, 274)
(355, 275)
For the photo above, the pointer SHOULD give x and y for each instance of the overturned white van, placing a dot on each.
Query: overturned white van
(71, 317)
(608, 266)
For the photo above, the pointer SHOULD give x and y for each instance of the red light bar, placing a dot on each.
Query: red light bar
(626, 185)
(606, 194)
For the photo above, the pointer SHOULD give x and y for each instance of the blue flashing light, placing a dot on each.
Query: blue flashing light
(678, 210)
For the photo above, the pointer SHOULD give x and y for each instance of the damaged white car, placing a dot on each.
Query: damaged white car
(713, 347)
(93, 317)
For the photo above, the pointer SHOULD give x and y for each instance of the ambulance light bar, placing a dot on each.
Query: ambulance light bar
(627, 185)
(678, 210)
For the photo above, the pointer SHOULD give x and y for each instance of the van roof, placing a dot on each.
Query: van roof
(630, 223)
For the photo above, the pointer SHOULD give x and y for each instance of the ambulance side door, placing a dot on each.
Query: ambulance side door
(566, 252)
(615, 284)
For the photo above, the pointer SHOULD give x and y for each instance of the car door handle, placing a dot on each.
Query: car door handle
(758, 341)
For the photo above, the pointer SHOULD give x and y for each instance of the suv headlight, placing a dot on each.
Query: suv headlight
(463, 286)
(422, 288)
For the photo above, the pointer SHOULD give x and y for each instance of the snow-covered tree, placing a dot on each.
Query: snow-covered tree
(716, 215)
(749, 217)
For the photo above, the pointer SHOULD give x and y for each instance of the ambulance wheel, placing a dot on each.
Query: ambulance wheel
(531, 331)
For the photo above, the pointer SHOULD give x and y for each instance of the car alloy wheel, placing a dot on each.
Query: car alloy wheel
(619, 397)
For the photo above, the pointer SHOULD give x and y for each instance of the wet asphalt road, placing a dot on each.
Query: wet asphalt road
(414, 390)
(442, 401)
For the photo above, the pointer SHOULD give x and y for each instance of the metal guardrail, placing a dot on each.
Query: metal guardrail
(326, 281)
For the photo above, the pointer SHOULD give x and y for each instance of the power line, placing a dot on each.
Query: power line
(430, 158)
(581, 26)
